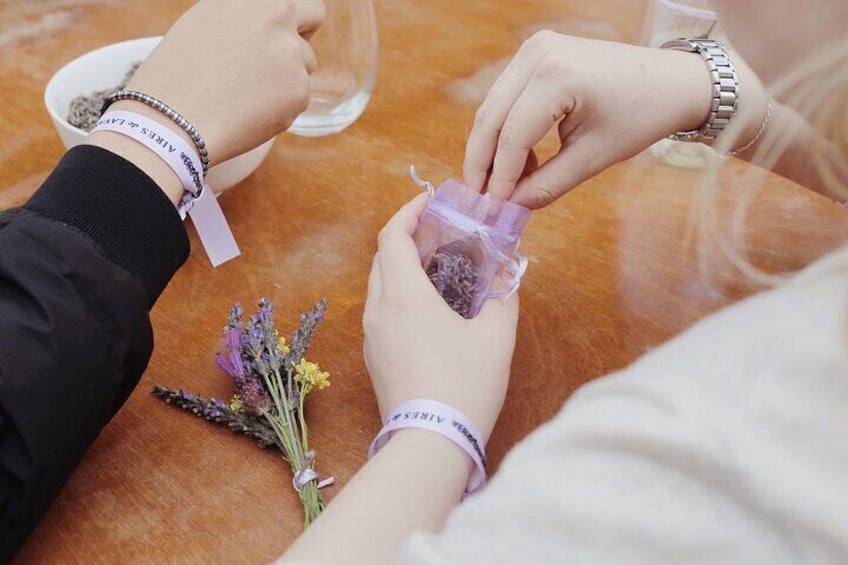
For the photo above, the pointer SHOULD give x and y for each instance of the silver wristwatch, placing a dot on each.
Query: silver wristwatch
(725, 87)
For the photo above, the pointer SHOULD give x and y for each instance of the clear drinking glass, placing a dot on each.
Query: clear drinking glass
(348, 48)
(674, 19)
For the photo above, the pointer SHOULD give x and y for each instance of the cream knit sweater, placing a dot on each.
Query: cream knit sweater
(727, 445)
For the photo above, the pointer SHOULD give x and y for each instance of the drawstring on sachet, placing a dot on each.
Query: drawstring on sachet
(422, 183)
(517, 266)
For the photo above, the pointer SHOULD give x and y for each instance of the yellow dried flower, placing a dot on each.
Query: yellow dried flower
(235, 404)
(284, 349)
(310, 376)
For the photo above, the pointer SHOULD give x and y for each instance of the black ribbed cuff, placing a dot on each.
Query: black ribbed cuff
(118, 206)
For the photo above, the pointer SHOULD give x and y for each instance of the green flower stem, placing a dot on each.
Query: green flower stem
(275, 394)
(286, 430)
(290, 379)
(316, 502)
(309, 496)
(285, 416)
(284, 439)
(285, 413)
(288, 440)
(284, 392)
(304, 432)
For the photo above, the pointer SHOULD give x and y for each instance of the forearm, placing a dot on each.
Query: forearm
(410, 485)
(790, 147)
(787, 144)
(80, 266)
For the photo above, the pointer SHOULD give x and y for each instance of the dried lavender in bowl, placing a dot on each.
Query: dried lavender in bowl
(85, 110)
(455, 275)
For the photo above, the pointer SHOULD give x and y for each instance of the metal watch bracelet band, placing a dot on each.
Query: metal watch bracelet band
(725, 87)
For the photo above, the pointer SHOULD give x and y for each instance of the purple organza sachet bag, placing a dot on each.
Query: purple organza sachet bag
(468, 244)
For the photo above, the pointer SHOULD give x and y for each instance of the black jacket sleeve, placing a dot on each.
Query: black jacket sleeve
(81, 264)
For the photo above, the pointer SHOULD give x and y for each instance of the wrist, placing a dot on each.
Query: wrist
(143, 158)
(434, 450)
(187, 162)
(438, 419)
(143, 109)
(727, 96)
(140, 156)
(692, 81)
(429, 462)
(753, 105)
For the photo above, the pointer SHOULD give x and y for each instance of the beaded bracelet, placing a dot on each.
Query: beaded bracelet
(168, 111)
(197, 200)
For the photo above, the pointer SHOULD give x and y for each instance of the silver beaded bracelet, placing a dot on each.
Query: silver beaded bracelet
(168, 111)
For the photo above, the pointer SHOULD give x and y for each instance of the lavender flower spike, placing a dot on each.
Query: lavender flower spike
(234, 320)
(303, 336)
(217, 411)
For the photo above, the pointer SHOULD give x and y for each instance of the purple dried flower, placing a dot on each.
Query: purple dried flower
(262, 366)
(219, 412)
(455, 276)
(234, 320)
(249, 386)
(302, 338)
(264, 315)
(245, 341)
(261, 328)
(254, 342)
(254, 397)
(229, 360)
(249, 366)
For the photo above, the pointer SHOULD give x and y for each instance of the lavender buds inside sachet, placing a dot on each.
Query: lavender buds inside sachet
(468, 244)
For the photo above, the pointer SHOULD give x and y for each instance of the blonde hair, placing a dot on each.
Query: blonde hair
(817, 89)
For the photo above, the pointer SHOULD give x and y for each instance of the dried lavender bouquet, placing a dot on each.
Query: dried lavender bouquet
(272, 379)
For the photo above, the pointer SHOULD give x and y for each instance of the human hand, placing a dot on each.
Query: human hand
(417, 347)
(237, 71)
(608, 101)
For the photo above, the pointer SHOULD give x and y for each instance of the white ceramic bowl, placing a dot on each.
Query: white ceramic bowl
(105, 68)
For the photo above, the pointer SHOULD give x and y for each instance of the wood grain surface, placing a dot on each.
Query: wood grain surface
(614, 268)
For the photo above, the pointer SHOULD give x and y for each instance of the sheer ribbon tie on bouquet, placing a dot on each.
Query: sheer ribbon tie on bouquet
(307, 473)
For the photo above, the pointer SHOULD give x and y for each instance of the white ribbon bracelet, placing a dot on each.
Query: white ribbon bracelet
(443, 419)
(198, 201)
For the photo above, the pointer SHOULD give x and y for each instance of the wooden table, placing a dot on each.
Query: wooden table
(613, 273)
